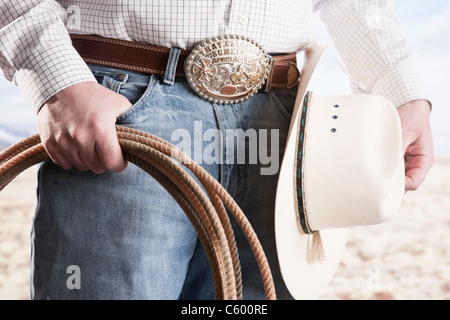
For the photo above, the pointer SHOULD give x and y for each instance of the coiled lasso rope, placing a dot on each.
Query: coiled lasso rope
(206, 211)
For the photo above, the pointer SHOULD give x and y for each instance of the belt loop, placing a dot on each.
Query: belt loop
(169, 77)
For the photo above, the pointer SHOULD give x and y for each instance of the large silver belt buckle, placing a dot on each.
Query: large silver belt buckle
(227, 69)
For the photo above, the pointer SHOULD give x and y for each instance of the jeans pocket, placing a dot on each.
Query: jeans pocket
(135, 86)
(138, 93)
(285, 100)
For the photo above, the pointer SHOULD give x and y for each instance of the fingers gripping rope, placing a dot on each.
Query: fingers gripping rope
(206, 211)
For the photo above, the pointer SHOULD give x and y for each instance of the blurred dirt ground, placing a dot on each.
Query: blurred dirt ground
(405, 258)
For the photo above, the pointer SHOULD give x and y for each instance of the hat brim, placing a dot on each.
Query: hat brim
(303, 278)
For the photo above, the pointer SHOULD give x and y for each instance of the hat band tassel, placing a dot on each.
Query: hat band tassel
(315, 252)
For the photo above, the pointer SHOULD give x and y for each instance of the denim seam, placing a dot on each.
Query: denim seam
(224, 170)
(280, 106)
(112, 75)
(240, 168)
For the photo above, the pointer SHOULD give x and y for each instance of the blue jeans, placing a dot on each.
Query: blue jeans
(122, 236)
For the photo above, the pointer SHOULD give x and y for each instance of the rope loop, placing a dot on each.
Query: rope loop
(205, 210)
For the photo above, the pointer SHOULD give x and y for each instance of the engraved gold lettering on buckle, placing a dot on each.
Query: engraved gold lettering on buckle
(227, 69)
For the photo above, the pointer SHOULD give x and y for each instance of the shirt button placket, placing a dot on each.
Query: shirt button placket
(239, 17)
(243, 19)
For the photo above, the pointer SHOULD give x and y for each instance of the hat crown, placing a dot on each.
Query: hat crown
(353, 169)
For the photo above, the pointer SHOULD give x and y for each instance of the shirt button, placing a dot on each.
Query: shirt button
(243, 19)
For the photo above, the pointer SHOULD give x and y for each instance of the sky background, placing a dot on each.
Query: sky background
(426, 25)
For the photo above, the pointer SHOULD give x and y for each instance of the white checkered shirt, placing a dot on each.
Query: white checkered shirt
(37, 55)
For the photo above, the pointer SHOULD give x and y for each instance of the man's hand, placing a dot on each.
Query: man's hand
(77, 128)
(417, 142)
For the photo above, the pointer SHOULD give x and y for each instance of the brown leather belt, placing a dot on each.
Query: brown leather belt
(153, 59)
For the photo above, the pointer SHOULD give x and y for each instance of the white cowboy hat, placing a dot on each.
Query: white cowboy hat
(342, 167)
